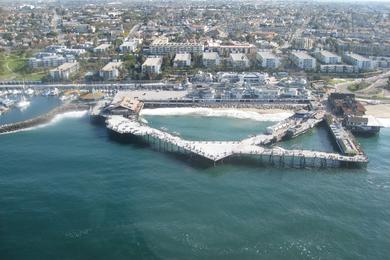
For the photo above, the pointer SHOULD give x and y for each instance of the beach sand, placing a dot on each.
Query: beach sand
(381, 110)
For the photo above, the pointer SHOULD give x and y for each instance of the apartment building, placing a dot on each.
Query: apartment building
(49, 61)
(327, 57)
(226, 50)
(211, 59)
(111, 70)
(362, 63)
(152, 65)
(239, 60)
(162, 46)
(102, 48)
(128, 46)
(268, 60)
(303, 60)
(182, 60)
(64, 71)
(337, 68)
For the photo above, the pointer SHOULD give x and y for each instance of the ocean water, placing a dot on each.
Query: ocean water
(68, 191)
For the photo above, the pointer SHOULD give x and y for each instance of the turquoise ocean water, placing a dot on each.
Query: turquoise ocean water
(68, 191)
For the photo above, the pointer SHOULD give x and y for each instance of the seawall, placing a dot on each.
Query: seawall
(42, 119)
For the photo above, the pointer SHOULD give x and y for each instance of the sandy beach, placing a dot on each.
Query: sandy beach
(380, 110)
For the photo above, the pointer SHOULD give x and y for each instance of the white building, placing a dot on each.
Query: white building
(303, 60)
(239, 60)
(111, 70)
(102, 48)
(162, 46)
(152, 65)
(49, 61)
(64, 71)
(268, 60)
(226, 50)
(360, 62)
(303, 43)
(211, 59)
(338, 68)
(327, 57)
(182, 60)
(128, 46)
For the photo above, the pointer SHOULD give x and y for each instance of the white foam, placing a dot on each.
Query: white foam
(210, 112)
(384, 122)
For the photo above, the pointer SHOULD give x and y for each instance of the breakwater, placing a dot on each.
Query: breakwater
(42, 119)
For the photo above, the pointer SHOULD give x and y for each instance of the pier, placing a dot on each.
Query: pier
(217, 151)
(42, 119)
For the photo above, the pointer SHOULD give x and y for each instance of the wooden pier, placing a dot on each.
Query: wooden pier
(218, 151)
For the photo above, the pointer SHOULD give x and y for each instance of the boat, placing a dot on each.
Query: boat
(23, 103)
(29, 92)
(7, 102)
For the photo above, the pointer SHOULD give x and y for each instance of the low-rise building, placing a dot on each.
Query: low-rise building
(226, 50)
(211, 59)
(111, 70)
(337, 68)
(303, 60)
(162, 46)
(64, 71)
(239, 60)
(152, 65)
(268, 60)
(128, 46)
(327, 57)
(102, 48)
(362, 63)
(49, 61)
(182, 60)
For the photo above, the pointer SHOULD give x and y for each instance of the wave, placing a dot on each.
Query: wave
(56, 119)
(210, 112)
